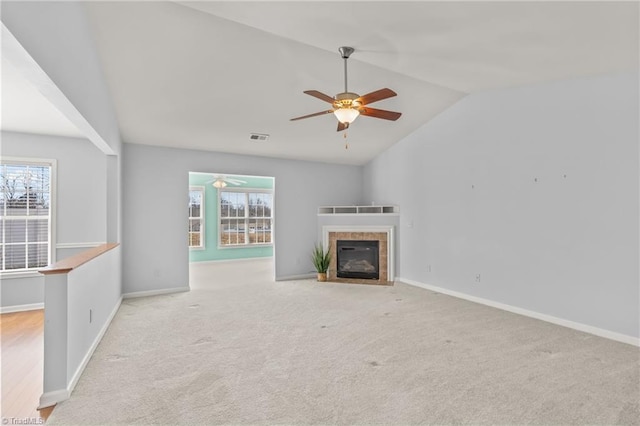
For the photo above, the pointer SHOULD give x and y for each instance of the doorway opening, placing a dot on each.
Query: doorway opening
(231, 219)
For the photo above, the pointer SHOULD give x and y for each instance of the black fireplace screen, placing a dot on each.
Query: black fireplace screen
(358, 259)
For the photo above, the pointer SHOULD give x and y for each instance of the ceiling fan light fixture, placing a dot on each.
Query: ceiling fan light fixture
(346, 115)
(219, 183)
(347, 106)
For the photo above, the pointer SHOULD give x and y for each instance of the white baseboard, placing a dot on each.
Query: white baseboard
(297, 277)
(51, 398)
(612, 335)
(155, 292)
(213, 262)
(21, 308)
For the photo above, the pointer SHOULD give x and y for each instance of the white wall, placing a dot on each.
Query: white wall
(55, 50)
(79, 307)
(560, 246)
(58, 37)
(155, 253)
(93, 286)
(81, 200)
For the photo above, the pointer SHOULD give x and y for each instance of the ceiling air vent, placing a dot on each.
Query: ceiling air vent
(258, 137)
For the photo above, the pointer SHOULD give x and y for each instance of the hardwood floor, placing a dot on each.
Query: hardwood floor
(21, 348)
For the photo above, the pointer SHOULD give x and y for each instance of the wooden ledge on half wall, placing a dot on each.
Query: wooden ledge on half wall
(67, 265)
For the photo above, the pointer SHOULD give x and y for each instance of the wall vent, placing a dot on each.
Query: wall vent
(258, 137)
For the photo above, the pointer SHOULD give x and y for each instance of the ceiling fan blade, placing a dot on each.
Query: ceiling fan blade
(380, 113)
(342, 126)
(312, 115)
(376, 96)
(234, 181)
(320, 96)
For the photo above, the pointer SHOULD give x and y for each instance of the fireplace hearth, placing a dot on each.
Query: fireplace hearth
(358, 259)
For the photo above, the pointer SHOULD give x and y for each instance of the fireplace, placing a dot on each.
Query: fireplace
(358, 259)
(382, 238)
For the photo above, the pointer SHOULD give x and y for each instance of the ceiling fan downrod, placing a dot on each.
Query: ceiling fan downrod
(345, 52)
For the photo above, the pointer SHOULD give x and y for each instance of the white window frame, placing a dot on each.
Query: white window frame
(51, 236)
(201, 218)
(246, 217)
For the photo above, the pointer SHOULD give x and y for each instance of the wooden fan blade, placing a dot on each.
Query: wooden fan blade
(376, 96)
(380, 113)
(342, 126)
(312, 115)
(320, 96)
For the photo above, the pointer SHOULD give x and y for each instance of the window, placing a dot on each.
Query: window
(26, 207)
(196, 217)
(245, 217)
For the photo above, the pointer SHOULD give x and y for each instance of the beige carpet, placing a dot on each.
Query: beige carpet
(239, 349)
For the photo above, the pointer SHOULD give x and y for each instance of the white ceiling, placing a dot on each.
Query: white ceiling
(464, 46)
(204, 75)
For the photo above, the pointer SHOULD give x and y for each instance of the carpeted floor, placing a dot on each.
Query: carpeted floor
(239, 349)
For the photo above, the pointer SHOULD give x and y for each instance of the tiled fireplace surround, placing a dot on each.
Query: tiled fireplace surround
(383, 234)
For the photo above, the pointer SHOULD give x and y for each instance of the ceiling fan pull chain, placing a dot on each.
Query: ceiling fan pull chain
(346, 142)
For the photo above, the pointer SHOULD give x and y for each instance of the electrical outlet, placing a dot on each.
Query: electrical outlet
(478, 278)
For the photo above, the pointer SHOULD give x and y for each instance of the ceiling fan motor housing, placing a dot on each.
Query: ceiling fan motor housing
(346, 100)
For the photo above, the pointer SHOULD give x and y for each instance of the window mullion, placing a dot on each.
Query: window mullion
(26, 238)
(4, 215)
(246, 218)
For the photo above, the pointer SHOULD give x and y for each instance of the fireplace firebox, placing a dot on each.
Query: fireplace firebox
(357, 259)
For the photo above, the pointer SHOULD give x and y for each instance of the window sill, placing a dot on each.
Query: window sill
(197, 248)
(245, 246)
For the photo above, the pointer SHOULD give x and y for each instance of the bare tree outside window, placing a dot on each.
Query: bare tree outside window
(245, 217)
(196, 216)
(25, 198)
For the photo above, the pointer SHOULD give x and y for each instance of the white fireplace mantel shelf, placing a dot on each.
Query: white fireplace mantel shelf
(358, 210)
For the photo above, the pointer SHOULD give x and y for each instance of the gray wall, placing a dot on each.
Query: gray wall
(155, 253)
(81, 201)
(470, 203)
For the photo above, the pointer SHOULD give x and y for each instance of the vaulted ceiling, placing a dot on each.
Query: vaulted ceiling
(204, 75)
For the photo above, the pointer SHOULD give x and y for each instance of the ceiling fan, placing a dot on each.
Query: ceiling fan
(222, 181)
(347, 106)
